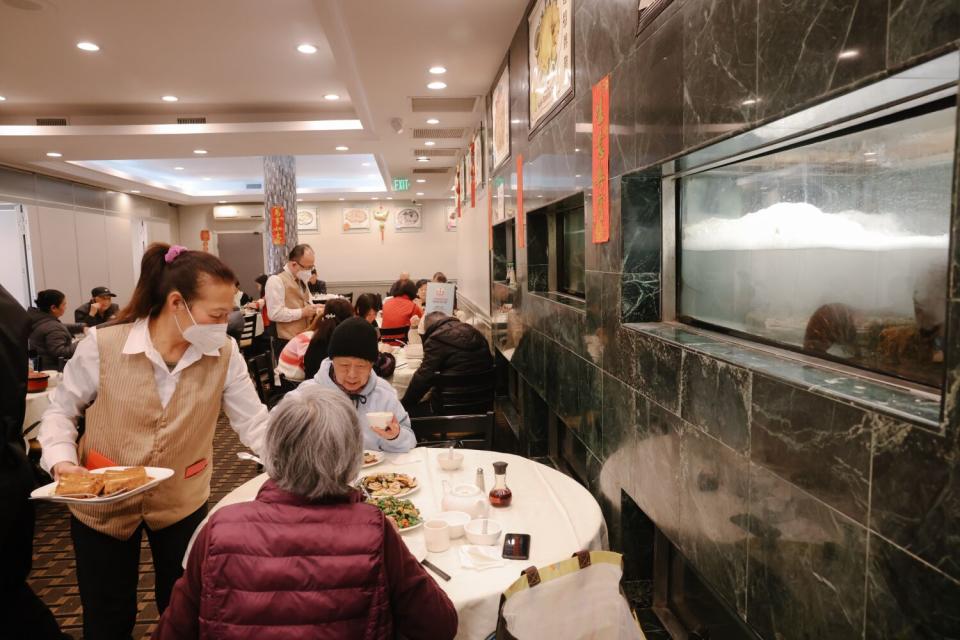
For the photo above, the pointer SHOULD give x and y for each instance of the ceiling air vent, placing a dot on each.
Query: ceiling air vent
(451, 132)
(431, 170)
(436, 153)
(439, 105)
(51, 122)
(254, 185)
(196, 120)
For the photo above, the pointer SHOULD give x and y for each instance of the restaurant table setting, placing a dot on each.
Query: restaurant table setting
(409, 359)
(37, 402)
(459, 535)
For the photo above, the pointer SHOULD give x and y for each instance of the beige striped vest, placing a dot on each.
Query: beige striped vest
(295, 296)
(127, 424)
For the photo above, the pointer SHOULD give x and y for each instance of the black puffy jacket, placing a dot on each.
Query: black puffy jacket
(450, 346)
(50, 338)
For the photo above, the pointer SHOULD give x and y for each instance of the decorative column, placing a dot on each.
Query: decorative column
(279, 190)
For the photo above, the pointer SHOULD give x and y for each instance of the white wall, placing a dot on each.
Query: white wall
(353, 257)
(473, 253)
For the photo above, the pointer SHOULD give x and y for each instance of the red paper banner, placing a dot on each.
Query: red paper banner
(473, 178)
(521, 219)
(601, 161)
(458, 186)
(490, 214)
(278, 231)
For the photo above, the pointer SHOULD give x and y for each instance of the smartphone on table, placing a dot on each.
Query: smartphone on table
(516, 546)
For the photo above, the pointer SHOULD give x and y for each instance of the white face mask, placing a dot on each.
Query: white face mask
(205, 337)
(304, 276)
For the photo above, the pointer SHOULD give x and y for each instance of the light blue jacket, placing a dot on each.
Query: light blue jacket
(376, 395)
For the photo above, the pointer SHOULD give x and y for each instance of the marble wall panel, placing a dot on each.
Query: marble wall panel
(815, 443)
(807, 564)
(915, 496)
(907, 598)
(916, 29)
(716, 398)
(719, 68)
(810, 47)
(713, 511)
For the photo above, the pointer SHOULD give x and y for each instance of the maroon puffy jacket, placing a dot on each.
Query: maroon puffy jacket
(284, 567)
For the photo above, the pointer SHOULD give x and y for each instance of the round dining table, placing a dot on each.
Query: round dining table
(559, 514)
(403, 372)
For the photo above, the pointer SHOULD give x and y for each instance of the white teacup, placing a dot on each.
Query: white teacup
(436, 533)
(379, 419)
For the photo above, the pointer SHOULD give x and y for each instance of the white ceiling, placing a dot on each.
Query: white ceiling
(235, 63)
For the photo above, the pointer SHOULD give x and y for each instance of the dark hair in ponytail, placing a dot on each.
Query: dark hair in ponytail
(49, 298)
(185, 273)
(340, 309)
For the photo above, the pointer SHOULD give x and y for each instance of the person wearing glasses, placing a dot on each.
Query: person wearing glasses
(288, 295)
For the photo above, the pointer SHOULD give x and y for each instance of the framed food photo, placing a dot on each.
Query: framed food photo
(355, 220)
(500, 115)
(550, 59)
(408, 219)
(477, 158)
(306, 219)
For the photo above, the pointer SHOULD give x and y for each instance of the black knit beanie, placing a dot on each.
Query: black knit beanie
(354, 338)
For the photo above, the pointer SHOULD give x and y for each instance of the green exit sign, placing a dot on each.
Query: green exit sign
(401, 184)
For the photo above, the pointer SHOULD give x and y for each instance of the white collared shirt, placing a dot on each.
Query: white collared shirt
(276, 297)
(81, 380)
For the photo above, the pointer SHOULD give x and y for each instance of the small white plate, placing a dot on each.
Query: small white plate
(46, 492)
(378, 454)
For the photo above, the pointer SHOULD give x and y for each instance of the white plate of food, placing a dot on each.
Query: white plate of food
(403, 512)
(388, 485)
(102, 486)
(371, 458)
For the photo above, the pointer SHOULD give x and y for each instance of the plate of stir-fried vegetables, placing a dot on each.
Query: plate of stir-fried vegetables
(401, 511)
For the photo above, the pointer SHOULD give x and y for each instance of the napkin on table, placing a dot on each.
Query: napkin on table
(480, 557)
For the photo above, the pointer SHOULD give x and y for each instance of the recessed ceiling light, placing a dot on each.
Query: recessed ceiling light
(54, 154)
(306, 48)
(429, 143)
(331, 97)
(299, 199)
(2, 99)
(205, 179)
(341, 198)
(423, 159)
(849, 53)
(389, 197)
(433, 121)
(870, 153)
(178, 168)
(87, 46)
(577, 176)
(222, 201)
(134, 191)
(169, 98)
(343, 148)
(200, 152)
(374, 198)
(576, 150)
(421, 180)
(515, 121)
(436, 85)
(438, 70)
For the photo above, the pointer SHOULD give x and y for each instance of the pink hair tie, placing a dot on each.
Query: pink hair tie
(173, 252)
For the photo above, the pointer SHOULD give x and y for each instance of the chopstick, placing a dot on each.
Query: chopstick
(437, 570)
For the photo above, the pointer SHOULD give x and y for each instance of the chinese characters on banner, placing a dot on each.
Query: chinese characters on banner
(601, 161)
(521, 219)
(278, 231)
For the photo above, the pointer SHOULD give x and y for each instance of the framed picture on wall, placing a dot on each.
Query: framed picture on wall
(649, 10)
(500, 115)
(408, 219)
(355, 220)
(452, 219)
(478, 157)
(550, 60)
(306, 219)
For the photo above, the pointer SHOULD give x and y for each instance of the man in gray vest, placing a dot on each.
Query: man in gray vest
(287, 294)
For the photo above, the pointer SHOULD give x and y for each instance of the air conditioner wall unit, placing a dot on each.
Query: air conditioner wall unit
(238, 212)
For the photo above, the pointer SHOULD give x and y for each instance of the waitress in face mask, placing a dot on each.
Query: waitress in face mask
(151, 386)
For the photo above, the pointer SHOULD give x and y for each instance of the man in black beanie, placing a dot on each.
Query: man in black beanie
(349, 368)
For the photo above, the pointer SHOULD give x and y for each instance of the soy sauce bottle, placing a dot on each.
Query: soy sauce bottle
(500, 495)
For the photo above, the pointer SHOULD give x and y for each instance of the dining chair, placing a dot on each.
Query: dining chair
(473, 431)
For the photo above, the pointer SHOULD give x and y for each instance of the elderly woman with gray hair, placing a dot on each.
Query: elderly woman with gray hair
(308, 558)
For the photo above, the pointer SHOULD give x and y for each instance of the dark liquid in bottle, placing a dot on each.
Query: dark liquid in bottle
(501, 497)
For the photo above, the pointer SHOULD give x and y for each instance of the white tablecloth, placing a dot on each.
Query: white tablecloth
(558, 513)
(403, 374)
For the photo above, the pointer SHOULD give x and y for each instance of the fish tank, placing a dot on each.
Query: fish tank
(835, 247)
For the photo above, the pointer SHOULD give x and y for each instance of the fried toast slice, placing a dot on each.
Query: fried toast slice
(76, 484)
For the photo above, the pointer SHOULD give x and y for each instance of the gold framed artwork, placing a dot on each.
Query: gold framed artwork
(477, 157)
(500, 115)
(550, 61)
